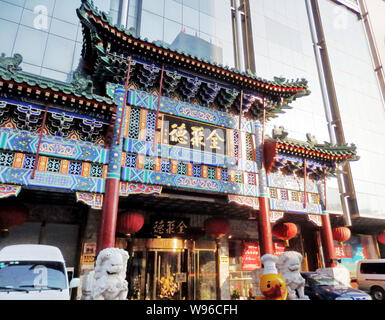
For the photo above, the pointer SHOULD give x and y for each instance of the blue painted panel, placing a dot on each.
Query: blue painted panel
(51, 180)
(24, 141)
(182, 181)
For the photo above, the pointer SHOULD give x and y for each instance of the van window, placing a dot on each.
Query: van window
(32, 275)
(372, 268)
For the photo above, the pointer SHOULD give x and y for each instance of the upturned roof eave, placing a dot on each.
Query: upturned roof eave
(295, 89)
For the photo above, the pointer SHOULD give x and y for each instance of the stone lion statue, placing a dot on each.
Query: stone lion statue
(109, 276)
(289, 265)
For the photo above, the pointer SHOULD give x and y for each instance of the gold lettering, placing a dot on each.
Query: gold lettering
(179, 134)
(197, 139)
(214, 137)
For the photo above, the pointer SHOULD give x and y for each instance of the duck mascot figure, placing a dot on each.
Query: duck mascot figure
(271, 283)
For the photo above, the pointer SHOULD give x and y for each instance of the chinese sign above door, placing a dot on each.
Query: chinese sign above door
(169, 227)
(193, 135)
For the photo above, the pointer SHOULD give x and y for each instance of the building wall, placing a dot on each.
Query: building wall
(360, 103)
(200, 27)
(283, 47)
(47, 33)
(376, 9)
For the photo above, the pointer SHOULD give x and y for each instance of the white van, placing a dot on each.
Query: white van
(371, 277)
(34, 272)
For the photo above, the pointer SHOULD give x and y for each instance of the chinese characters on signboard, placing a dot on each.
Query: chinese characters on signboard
(193, 135)
(169, 227)
(343, 252)
(251, 259)
(251, 256)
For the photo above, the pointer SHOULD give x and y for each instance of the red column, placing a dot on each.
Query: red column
(108, 218)
(327, 242)
(265, 235)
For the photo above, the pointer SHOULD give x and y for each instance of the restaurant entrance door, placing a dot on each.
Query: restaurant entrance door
(172, 269)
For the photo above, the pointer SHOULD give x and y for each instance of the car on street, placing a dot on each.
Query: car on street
(34, 272)
(323, 287)
(371, 277)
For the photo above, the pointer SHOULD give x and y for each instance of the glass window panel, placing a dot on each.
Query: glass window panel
(79, 37)
(114, 4)
(31, 68)
(64, 29)
(207, 6)
(52, 74)
(66, 10)
(59, 54)
(357, 88)
(10, 12)
(19, 3)
(77, 55)
(151, 26)
(132, 7)
(8, 32)
(31, 44)
(191, 3)
(154, 6)
(131, 22)
(173, 10)
(207, 23)
(190, 17)
(171, 31)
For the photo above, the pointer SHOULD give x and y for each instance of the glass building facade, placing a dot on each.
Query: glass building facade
(360, 103)
(48, 34)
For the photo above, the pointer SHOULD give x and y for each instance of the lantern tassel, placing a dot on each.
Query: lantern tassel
(287, 243)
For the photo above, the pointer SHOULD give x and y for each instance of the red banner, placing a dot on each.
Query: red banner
(251, 258)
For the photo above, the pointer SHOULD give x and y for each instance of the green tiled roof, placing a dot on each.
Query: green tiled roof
(11, 73)
(298, 87)
(311, 147)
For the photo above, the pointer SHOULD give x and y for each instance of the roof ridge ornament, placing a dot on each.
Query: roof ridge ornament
(311, 139)
(11, 64)
(82, 83)
(280, 133)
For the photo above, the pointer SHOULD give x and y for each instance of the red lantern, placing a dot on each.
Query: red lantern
(341, 234)
(217, 227)
(129, 222)
(12, 215)
(285, 231)
(381, 237)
